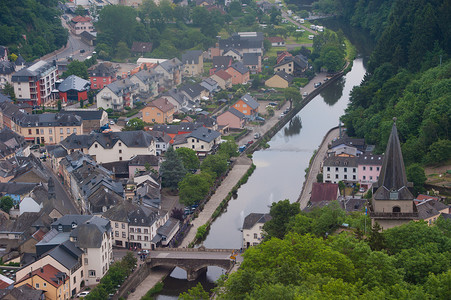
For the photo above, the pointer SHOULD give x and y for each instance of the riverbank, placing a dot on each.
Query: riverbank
(315, 167)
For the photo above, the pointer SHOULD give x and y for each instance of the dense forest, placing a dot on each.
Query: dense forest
(408, 76)
(31, 28)
(406, 262)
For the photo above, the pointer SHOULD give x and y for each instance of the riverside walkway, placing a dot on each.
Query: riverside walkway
(315, 167)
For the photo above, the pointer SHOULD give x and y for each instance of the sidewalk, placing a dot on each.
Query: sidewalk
(239, 169)
(315, 167)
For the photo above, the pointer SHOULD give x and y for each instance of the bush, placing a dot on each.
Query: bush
(155, 290)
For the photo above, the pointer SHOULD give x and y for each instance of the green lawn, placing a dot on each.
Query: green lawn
(273, 51)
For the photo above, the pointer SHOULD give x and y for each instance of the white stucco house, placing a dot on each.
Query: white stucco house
(253, 229)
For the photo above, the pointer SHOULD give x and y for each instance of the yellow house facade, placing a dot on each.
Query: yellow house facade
(159, 111)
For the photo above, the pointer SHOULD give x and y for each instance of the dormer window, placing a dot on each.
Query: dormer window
(394, 195)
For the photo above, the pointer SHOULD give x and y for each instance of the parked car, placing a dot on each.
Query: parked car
(305, 94)
(317, 84)
(83, 294)
(111, 122)
(362, 190)
(34, 147)
(82, 50)
(250, 142)
(42, 150)
(257, 135)
(272, 103)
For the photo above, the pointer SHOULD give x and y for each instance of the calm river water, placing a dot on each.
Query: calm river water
(279, 175)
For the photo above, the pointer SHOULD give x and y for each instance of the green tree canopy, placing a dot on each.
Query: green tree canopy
(76, 68)
(189, 158)
(281, 213)
(194, 187)
(6, 203)
(228, 149)
(171, 170)
(215, 163)
(134, 124)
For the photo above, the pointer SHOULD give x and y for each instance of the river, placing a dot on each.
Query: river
(279, 174)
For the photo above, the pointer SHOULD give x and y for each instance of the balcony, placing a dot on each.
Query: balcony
(393, 215)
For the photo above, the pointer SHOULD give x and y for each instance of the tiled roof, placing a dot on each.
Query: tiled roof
(324, 192)
(222, 61)
(250, 59)
(162, 104)
(340, 161)
(223, 75)
(50, 274)
(275, 39)
(81, 19)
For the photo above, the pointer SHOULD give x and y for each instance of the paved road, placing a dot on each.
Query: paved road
(293, 46)
(60, 190)
(315, 168)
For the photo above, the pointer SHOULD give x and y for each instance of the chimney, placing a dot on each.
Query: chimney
(42, 270)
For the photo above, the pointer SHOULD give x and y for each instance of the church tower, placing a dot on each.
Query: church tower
(392, 203)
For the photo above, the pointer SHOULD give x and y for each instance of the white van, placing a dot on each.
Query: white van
(310, 37)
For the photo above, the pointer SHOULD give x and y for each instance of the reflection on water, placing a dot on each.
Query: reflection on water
(333, 92)
(294, 126)
(279, 174)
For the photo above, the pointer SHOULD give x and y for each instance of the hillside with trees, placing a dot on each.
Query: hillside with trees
(31, 28)
(408, 77)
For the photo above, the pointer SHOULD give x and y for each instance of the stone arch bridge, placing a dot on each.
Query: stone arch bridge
(193, 260)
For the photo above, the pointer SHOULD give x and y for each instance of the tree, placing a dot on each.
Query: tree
(194, 187)
(195, 293)
(376, 239)
(81, 103)
(440, 151)
(229, 149)
(6, 203)
(122, 51)
(189, 158)
(415, 174)
(319, 177)
(171, 170)
(134, 124)
(342, 187)
(177, 213)
(215, 163)
(80, 11)
(281, 212)
(76, 68)
(8, 90)
(292, 94)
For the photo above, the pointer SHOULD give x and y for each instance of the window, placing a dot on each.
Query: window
(244, 111)
(29, 131)
(75, 280)
(192, 146)
(371, 168)
(120, 151)
(45, 284)
(353, 170)
(95, 145)
(244, 105)
(138, 230)
(86, 260)
(50, 131)
(132, 237)
(75, 130)
(51, 139)
(132, 230)
(123, 226)
(202, 147)
(396, 209)
(353, 177)
(255, 236)
(346, 169)
(92, 273)
(139, 237)
(60, 227)
(364, 177)
(346, 177)
(364, 168)
(146, 238)
(123, 234)
(120, 157)
(328, 168)
(61, 131)
(371, 177)
(37, 131)
(116, 234)
(377, 168)
(336, 169)
(116, 225)
(37, 285)
(146, 230)
(104, 80)
(81, 277)
(42, 131)
(68, 130)
(94, 79)
(336, 176)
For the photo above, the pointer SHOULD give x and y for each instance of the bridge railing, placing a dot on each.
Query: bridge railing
(192, 250)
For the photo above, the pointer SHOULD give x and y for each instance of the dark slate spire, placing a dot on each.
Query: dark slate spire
(392, 179)
(51, 188)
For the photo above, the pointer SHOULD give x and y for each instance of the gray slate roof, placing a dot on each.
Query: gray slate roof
(171, 65)
(204, 134)
(236, 112)
(285, 76)
(340, 161)
(102, 70)
(74, 83)
(192, 90)
(392, 177)
(86, 115)
(250, 59)
(239, 67)
(122, 86)
(133, 214)
(430, 208)
(249, 100)
(254, 218)
(221, 61)
(132, 139)
(89, 234)
(191, 56)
